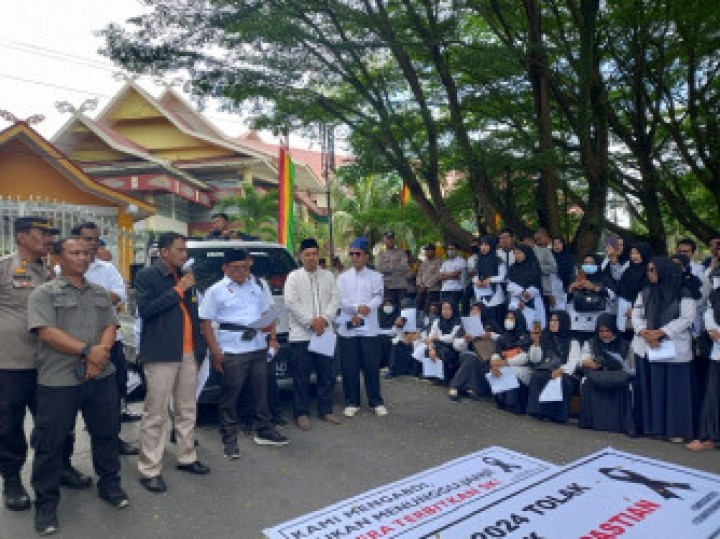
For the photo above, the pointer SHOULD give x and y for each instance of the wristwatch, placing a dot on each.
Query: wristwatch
(85, 352)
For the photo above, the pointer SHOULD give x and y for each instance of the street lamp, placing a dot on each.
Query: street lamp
(327, 159)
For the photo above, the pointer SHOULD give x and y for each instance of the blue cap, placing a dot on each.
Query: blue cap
(360, 243)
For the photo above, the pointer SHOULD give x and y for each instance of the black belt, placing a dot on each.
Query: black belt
(233, 327)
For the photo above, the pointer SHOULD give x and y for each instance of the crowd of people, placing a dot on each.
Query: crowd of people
(628, 341)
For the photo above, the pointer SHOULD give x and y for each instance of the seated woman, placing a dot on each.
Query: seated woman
(387, 315)
(402, 362)
(475, 353)
(607, 383)
(440, 346)
(709, 423)
(551, 358)
(524, 286)
(511, 349)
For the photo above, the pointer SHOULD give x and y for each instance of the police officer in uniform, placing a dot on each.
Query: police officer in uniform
(237, 351)
(20, 273)
(76, 325)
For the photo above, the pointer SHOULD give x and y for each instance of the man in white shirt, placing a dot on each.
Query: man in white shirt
(361, 294)
(311, 298)
(237, 351)
(452, 275)
(105, 274)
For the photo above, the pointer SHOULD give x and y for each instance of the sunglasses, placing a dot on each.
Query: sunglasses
(356, 253)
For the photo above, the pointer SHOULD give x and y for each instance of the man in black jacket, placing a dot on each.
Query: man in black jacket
(170, 346)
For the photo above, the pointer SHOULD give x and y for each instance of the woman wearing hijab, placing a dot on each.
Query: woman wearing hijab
(606, 386)
(551, 359)
(440, 345)
(490, 272)
(633, 280)
(511, 349)
(662, 319)
(709, 424)
(387, 315)
(524, 286)
(565, 275)
(474, 361)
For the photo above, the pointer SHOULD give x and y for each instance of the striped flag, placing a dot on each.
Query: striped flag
(404, 195)
(286, 181)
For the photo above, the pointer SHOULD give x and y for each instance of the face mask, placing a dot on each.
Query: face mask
(451, 253)
(509, 325)
(590, 269)
(388, 309)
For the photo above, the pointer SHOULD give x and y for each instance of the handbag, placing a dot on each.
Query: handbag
(585, 301)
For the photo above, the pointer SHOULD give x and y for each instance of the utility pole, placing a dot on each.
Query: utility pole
(327, 155)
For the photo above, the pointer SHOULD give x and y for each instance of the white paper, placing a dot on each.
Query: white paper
(715, 352)
(505, 382)
(623, 306)
(202, 376)
(419, 352)
(410, 316)
(553, 391)
(267, 318)
(433, 369)
(133, 381)
(666, 351)
(323, 344)
(473, 326)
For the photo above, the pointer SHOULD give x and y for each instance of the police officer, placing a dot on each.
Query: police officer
(20, 273)
(237, 351)
(393, 264)
(76, 325)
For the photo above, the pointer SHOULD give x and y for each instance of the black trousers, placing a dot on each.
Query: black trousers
(304, 363)
(246, 400)
(237, 369)
(468, 298)
(360, 354)
(57, 408)
(117, 356)
(396, 294)
(18, 394)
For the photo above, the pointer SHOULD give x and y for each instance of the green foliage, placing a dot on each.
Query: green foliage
(256, 211)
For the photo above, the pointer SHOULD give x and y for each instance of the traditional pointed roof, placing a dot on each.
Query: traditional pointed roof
(24, 135)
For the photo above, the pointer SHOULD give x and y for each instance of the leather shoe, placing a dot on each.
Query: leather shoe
(332, 419)
(73, 479)
(303, 422)
(127, 449)
(15, 496)
(154, 484)
(196, 467)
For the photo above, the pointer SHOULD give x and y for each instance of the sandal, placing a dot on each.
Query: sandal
(697, 445)
(453, 395)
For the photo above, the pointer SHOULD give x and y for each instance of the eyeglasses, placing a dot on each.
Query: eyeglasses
(356, 253)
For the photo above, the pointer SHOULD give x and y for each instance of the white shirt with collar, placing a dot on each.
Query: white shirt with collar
(231, 303)
(359, 287)
(309, 295)
(507, 256)
(452, 265)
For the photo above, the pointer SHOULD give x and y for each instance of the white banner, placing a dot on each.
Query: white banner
(605, 495)
(422, 502)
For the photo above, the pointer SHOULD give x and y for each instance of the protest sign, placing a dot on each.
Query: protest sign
(602, 496)
(422, 502)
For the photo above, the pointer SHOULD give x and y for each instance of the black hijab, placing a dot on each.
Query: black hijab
(610, 355)
(518, 337)
(691, 285)
(556, 345)
(661, 301)
(487, 265)
(525, 273)
(565, 263)
(602, 277)
(714, 297)
(634, 278)
(446, 325)
(386, 321)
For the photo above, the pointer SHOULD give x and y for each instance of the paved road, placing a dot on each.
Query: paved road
(270, 485)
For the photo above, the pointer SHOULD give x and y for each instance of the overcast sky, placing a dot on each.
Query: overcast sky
(48, 53)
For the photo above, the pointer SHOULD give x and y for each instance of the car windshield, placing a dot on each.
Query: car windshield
(271, 263)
